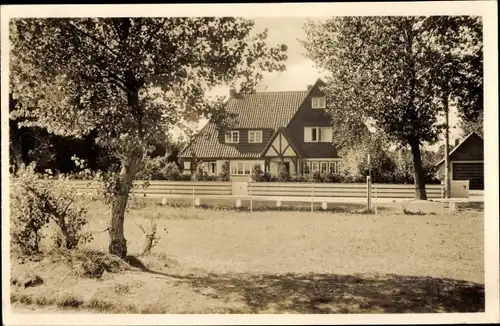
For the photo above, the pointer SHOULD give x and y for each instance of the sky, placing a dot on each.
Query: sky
(300, 71)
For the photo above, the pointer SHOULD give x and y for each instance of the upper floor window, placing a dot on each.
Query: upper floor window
(317, 134)
(255, 136)
(318, 103)
(233, 136)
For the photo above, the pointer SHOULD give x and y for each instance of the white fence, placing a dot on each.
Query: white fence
(275, 191)
(337, 190)
(272, 190)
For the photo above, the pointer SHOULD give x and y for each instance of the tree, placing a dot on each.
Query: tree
(384, 71)
(354, 164)
(472, 125)
(130, 80)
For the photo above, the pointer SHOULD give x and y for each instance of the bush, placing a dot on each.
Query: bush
(332, 177)
(152, 169)
(36, 202)
(151, 236)
(283, 173)
(300, 178)
(225, 174)
(202, 175)
(27, 214)
(172, 171)
(316, 176)
(257, 173)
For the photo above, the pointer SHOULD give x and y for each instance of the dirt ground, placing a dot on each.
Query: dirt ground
(225, 261)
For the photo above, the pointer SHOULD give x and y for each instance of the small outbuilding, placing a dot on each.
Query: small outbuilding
(466, 162)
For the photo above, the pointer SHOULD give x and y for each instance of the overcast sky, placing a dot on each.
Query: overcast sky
(300, 71)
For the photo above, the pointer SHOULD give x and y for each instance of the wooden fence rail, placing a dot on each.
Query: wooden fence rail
(158, 188)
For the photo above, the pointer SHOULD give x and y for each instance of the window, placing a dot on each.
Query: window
(317, 134)
(314, 134)
(324, 167)
(306, 166)
(318, 103)
(255, 136)
(187, 165)
(242, 167)
(333, 167)
(314, 166)
(232, 137)
(212, 168)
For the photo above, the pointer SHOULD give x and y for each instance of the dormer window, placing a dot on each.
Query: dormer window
(255, 136)
(318, 103)
(232, 137)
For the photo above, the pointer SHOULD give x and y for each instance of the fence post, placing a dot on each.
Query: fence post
(193, 197)
(312, 197)
(369, 192)
(442, 200)
(251, 198)
(376, 199)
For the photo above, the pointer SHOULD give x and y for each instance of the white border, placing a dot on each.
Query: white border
(486, 9)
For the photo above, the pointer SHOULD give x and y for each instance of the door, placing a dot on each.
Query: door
(474, 172)
(287, 166)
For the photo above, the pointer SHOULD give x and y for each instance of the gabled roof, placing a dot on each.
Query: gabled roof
(458, 146)
(207, 145)
(266, 110)
(261, 110)
(287, 137)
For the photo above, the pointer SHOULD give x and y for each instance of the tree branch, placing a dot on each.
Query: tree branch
(95, 39)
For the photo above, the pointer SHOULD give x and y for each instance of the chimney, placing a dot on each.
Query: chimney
(232, 93)
(457, 140)
(309, 87)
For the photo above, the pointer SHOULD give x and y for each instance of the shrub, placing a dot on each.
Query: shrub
(332, 177)
(172, 171)
(27, 214)
(225, 174)
(152, 169)
(316, 176)
(151, 236)
(283, 173)
(36, 202)
(257, 173)
(300, 178)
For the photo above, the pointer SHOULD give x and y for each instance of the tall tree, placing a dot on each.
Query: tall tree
(123, 77)
(385, 70)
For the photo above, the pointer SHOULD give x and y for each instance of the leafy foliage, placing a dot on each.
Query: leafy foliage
(396, 74)
(257, 173)
(354, 164)
(35, 202)
(130, 80)
(225, 174)
(283, 173)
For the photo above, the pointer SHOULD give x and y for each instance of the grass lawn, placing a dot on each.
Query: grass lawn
(225, 261)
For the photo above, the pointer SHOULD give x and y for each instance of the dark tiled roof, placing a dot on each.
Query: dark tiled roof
(207, 145)
(267, 110)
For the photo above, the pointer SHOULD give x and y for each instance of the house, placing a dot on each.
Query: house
(269, 128)
(466, 161)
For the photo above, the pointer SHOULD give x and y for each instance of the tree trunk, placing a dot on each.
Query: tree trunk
(16, 154)
(118, 244)
(419, 175)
